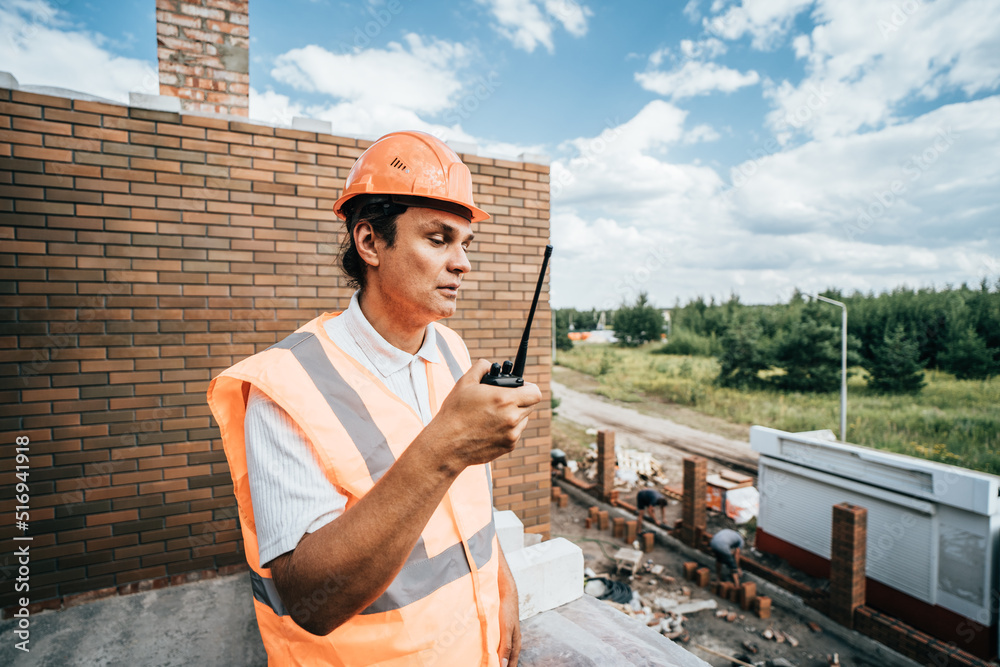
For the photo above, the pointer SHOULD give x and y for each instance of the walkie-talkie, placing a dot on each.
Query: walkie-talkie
(510, 375)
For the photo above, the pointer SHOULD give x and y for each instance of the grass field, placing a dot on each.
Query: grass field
(952, 421)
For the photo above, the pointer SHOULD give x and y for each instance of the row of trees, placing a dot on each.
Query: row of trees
(893, 335)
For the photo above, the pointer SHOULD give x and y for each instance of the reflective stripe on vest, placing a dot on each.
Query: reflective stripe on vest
(422, 577)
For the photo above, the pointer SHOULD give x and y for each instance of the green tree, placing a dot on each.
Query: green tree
(562, 330)
(637, 324)
(745, 352)
(968, 357)
(896, 367)
(810, 353)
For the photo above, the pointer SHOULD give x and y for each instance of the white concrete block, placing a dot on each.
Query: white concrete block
(510, 531)
(312, 125)
(548, 575)
(534, 158)
(465, 147)
(8, 81)
(155, 102)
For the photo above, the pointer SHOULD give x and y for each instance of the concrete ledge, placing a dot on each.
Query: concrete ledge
(210, 622)
(779, 596)
(312, 125)
(155, 102)
(589, 633)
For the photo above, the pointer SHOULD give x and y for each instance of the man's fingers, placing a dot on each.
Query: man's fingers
(479, 368)
(528, 395)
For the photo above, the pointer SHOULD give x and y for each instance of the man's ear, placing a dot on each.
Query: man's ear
(364, 241)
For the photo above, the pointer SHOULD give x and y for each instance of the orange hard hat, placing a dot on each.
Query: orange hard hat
(414, 169)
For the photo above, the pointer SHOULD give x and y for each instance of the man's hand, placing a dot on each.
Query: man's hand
(477, 422)
(510, 623)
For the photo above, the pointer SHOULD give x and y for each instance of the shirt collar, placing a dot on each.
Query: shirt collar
(385, 357)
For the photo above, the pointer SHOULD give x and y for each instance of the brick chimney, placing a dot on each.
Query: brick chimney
(203, 49)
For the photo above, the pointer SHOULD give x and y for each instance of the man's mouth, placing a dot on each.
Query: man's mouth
(450, 289)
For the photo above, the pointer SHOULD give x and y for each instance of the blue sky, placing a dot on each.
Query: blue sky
(697, 147)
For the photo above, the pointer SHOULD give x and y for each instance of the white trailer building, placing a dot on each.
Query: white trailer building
(933, 529)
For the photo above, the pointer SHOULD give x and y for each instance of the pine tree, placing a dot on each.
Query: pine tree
(635, 325)
(968, 357)
(745, 352)
(896, 367)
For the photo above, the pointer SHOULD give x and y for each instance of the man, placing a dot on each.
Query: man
(646, 500)
(726, 545)
(360, 445)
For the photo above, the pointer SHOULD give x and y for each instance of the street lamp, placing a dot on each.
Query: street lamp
(843, 362)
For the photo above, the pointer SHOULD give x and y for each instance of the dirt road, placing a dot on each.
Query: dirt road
(669, 441)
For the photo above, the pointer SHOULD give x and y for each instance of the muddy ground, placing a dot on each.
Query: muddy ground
(704, 627)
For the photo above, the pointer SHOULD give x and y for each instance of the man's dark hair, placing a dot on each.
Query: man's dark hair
(381, 213)
(661, 502)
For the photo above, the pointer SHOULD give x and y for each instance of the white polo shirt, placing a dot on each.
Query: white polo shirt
(291, 495)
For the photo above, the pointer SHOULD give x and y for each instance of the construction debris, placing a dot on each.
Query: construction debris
(635, 468)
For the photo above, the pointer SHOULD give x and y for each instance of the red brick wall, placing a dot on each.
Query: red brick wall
(909, 641)
(141, 253)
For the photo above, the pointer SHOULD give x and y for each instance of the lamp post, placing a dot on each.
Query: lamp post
(843, 362)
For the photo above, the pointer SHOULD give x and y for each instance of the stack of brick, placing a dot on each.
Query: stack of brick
(847, 562)
(694, 516)
(606, 461)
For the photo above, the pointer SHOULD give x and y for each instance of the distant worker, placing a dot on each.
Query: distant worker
(558, 460)
(726, 545)
(647, 500)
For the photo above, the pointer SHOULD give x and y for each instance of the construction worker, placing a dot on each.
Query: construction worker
(646, 500)
(359, 446)
(726, 545)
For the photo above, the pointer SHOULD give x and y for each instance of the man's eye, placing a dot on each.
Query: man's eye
(436, 241)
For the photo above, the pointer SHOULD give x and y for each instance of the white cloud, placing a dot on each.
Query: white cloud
(418, 76)
(766, 21)
(39, 46)
(871, 60)
(626, 217)
(705, 48)
(926, 182)
(695, 78)
(701, 133)
(691, 10)
(530, 23)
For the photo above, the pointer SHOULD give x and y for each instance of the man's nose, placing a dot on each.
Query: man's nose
(460, 261)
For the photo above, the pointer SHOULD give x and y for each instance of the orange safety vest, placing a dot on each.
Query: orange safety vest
(443, 608)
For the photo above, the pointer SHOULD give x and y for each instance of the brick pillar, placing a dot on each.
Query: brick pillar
(847, 562)
(203, 51)
(695, 488)
(606, 461)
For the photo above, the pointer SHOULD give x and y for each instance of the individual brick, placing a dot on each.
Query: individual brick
(762, 606)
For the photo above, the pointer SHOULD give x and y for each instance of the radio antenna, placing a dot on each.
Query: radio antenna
(522, 351)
